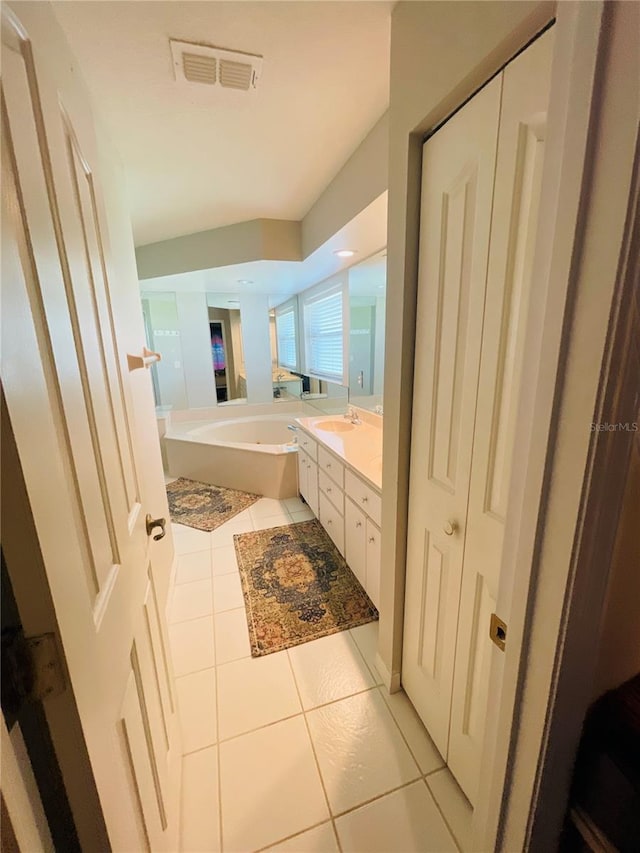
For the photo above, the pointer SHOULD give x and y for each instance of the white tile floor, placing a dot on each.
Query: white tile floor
(303, 750)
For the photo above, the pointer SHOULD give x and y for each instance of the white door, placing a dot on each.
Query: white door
(68, 399)
(458, 168)
(525, 95)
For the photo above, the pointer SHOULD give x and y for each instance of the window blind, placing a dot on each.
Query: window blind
(286, 323)
(323, 321)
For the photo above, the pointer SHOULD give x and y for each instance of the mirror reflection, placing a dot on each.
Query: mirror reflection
(367, 304)
(225, 331)
(207, 362)
(162, 331)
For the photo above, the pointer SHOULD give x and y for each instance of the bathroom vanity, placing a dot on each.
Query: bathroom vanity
(340, 478)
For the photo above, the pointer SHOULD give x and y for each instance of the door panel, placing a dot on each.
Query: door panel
(66, 399)
(513, 230)
(457, 187)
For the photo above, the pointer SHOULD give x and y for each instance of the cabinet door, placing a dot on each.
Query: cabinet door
(303, 461)
(332, 522)
(355, 541)
(312, 486)
(372, 585)
(457, 188)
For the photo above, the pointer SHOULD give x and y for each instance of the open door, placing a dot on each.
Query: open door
(69, 402)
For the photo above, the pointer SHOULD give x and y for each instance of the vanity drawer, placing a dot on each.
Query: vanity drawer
(308, 445)
(332, 522)
(331, 466)
(364, 497)
(333, 492)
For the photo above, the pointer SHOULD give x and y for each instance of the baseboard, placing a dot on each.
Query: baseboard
(390, 680)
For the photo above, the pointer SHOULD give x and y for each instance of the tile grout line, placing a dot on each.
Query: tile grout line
(374, 676)
(292, 716)
(219, 761)
(378, 797)
(381, 689)
(290, 837)
(442, 815)
(313, 750)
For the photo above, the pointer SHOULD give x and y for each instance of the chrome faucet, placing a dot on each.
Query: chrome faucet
(352, 416)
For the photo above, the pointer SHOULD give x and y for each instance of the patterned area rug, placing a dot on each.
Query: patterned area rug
(297, 587)
(203, 506)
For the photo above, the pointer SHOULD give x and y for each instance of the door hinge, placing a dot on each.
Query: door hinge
(32, 669)
(498, 631)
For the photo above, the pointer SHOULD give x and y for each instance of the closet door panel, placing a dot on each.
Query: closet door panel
(513, 230)
(457, 186)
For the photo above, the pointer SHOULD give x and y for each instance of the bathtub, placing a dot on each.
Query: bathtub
(255, 454)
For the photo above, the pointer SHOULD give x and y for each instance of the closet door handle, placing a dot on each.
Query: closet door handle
(450, 527)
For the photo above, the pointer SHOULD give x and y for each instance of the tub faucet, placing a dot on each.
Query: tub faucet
(293, 427)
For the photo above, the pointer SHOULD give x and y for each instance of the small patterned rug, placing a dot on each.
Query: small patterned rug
(203, 506)
(297, 587)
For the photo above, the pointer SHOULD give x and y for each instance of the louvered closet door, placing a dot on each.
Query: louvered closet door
(525, 94)
(457, 184)
(67, 399)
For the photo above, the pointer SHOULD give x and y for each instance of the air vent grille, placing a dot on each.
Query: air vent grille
(197, 64)
(199, 69)
(235, 75)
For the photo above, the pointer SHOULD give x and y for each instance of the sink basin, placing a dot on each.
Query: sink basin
(335, 426)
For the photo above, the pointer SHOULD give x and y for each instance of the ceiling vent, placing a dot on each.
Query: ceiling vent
(212, 66)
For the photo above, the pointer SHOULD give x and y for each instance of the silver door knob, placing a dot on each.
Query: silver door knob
(450, 527)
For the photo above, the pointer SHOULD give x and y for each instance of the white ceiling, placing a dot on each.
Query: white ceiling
(366, 233)
(201, 157)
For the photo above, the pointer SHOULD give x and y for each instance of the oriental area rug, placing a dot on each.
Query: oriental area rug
(203, 506)
(297, 587)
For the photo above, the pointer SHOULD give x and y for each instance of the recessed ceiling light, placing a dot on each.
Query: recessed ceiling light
(244, 281)
(345, 253)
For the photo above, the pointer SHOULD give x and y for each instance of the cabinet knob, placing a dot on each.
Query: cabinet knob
(372, 539)
(328, 464)
(450, 528)
(328, 521)
(328, 488)
(358, 524)
(364, 499)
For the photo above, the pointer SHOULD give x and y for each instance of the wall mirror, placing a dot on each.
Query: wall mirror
(367, 304)
(227, 353)
(163, 334)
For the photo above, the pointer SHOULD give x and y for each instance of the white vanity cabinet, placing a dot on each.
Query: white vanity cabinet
(308, 473)
(348, 506)
(355, 536)
(362, 547)
(372, 585)
(330, 482)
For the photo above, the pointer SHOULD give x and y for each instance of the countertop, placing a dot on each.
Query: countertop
(358, 445)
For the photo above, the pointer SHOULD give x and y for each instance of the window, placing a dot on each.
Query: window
(324, 334)
(286, 337)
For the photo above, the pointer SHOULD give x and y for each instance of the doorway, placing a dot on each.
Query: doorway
(481, 183)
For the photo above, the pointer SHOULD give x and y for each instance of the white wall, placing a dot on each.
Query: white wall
(256, 343)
